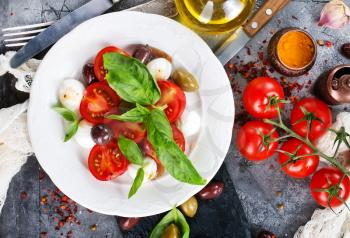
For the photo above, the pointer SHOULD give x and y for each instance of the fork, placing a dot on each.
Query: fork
(18, 36)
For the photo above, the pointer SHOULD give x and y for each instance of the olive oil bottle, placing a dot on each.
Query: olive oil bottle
(214, 16)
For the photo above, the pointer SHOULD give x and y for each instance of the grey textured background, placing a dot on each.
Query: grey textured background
(256, 185)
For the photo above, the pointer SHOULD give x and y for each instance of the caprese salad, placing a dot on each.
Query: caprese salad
(128, 112)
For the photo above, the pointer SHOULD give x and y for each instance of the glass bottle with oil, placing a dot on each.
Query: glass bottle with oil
(214, 16)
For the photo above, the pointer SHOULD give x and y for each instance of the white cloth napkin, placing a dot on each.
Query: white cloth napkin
(15, 147)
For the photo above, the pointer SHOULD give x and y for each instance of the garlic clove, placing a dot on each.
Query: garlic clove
(335, 15)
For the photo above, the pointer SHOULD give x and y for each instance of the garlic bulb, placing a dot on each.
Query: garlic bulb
(325, 143)
(335, 15)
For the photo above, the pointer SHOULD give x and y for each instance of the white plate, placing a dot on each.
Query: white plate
(66, 163)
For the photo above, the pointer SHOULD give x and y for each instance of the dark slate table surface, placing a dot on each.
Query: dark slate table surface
(26, 215)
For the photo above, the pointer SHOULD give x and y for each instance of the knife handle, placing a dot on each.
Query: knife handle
(268, 10)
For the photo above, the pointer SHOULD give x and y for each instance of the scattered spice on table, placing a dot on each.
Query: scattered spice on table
(23, 195)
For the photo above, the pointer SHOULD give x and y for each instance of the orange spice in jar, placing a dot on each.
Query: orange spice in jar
(295, 49)
(292, 51)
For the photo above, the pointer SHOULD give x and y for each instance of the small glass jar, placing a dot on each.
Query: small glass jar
(282, 66)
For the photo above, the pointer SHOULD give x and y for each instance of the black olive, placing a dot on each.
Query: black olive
(143, 53)
(89, 74)
(101, 134)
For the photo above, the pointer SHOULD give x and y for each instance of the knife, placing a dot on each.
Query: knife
(234, 43)
(66, 24)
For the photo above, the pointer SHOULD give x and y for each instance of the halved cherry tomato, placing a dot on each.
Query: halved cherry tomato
(258, 97)
(173, 97)
(99, 69)
(313, 107)
(131, 130)
(107, 162)
(251, 144)
(298, 167)
(178, 138)
(99, 99)
(328, 185)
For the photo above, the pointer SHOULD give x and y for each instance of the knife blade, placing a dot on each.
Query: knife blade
(58, 29)
(244, 34)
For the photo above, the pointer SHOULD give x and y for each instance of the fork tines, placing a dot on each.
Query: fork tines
(20, 35)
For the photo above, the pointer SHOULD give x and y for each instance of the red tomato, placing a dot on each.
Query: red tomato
(178, 138)
(315, 108)
(300, 167)
(328, 179)
(258, 95)
(99, 69)
(131, 130)
(107, 162)
(250, 142)
(98, 100)
(173, 97)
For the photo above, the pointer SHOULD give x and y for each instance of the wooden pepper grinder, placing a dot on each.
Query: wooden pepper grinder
(334, 88)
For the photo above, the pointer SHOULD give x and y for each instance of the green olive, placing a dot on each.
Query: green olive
(185, 80)
(189, 208)
(172, 231)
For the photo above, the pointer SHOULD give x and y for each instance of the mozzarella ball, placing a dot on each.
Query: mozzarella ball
(70, 93)
(191, 124)
(160, 68)
(150, 169)
(83, 135)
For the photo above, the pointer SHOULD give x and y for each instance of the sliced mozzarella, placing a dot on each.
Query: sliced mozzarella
(83, 135)
(150, 169)
(191, 123)
(70, 93)
(160, 68)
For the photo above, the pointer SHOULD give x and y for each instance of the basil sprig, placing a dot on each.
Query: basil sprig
(137, 114)
(130, 79)
(174, 160)
(176, 217)
(70, 117)
(133, 153)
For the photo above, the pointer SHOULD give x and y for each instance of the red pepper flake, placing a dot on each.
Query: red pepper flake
(261, 55)
(328, 44)
(41, 175)
(43, 200)
(61, 223)
(88, 210)
(43, 234)
(65, 198)
(23, 195)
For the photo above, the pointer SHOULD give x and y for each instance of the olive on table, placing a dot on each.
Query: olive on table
(189, 208)
(172, 231)
(211, 191)
(128, 223)
(185, 80)
(89, 74)
(143, 53)
(101, 134)
(266, 234)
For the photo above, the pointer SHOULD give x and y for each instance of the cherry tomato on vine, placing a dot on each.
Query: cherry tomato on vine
(294, 165)
(260, 97)
(256, 140)
(173, 97)
(315, 109)
(99, 69)
(328, 185)
(107, 162)
(99, 99)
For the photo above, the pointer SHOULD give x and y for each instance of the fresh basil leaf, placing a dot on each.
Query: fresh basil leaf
(137, 182)
(159, 133)
(137, 114)
(130, 150)
(157, 121)
(130, 79)
(173, 216)
(67, 114)
(71, 130)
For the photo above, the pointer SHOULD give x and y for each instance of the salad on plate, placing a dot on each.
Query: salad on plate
(128, 112)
